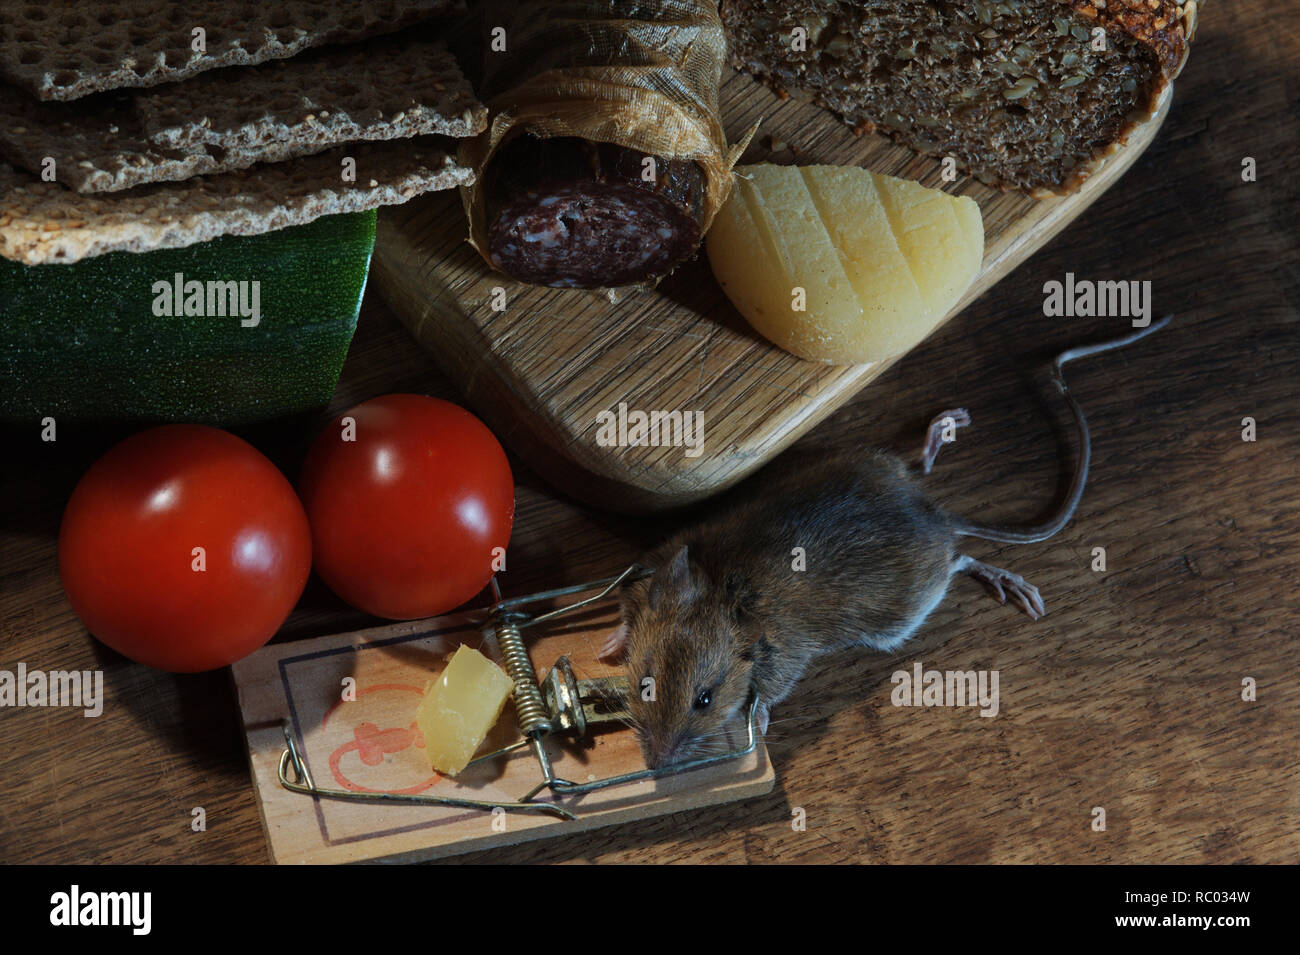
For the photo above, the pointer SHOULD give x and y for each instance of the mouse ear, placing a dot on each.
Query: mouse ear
(675, 578)
(738, 593)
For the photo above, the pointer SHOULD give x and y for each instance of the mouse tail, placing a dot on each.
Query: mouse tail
(1040, 532)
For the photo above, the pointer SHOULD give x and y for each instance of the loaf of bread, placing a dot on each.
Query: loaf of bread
(1027, 94)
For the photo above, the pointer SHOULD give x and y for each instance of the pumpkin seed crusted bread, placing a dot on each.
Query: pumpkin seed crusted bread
(1025, 94)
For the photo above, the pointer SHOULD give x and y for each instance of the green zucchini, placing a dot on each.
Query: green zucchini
(95, 341)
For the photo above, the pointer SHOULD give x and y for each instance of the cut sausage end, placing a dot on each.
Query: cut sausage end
(573, 214)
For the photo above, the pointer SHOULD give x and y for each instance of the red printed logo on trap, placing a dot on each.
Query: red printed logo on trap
(374, 743)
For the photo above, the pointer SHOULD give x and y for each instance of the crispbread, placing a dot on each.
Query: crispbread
(43, 222)
(384, 89)
(65, 49)
(97, 144)
(235, 118)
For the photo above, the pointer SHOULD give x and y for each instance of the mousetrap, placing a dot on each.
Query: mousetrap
(340, 770)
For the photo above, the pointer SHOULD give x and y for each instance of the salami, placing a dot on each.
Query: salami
(605, 159)
(570, 213)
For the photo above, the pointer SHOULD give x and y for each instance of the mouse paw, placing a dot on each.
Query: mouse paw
(614, 645)
(953, 418)
(1003, 582)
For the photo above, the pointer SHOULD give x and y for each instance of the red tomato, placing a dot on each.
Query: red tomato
(407, 504)
(127, 548)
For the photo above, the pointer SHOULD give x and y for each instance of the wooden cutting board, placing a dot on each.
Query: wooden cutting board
(541, 370)
(368, 743)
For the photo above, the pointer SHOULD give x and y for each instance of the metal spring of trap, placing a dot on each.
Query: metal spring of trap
(559, 705)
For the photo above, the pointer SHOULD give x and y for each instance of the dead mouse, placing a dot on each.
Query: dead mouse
(727, 612)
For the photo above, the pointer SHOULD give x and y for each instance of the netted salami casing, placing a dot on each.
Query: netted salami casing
(643, 76)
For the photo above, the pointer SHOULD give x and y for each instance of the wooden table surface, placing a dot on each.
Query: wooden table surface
(1126, 696)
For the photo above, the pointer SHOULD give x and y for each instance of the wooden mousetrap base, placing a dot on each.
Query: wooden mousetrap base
(370, 743)
(541, 370)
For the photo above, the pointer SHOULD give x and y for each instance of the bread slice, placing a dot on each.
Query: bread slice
(1027, 94)
(235, 118)
(43, 222)
(66, 49)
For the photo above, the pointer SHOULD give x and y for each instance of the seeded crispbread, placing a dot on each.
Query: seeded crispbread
(384, 89)
(97, 144)
(44, 222)
(236, 118)
(66, 49)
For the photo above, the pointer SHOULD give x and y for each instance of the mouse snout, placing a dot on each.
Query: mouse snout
(664, 751)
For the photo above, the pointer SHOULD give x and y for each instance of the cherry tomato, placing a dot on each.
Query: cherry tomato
(409, 498)
(184, 548)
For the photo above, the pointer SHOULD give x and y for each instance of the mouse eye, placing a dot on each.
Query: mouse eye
(703, 701)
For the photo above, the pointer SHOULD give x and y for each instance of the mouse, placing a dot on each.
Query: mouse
(845, 551)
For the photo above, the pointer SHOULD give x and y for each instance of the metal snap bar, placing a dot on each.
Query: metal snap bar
(303, 783)
(560, 705)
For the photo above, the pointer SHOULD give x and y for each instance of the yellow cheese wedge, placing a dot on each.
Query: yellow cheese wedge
(460, 707)
(842, 265)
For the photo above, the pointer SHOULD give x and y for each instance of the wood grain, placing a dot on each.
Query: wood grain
(540, 370)
(1127, 695)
